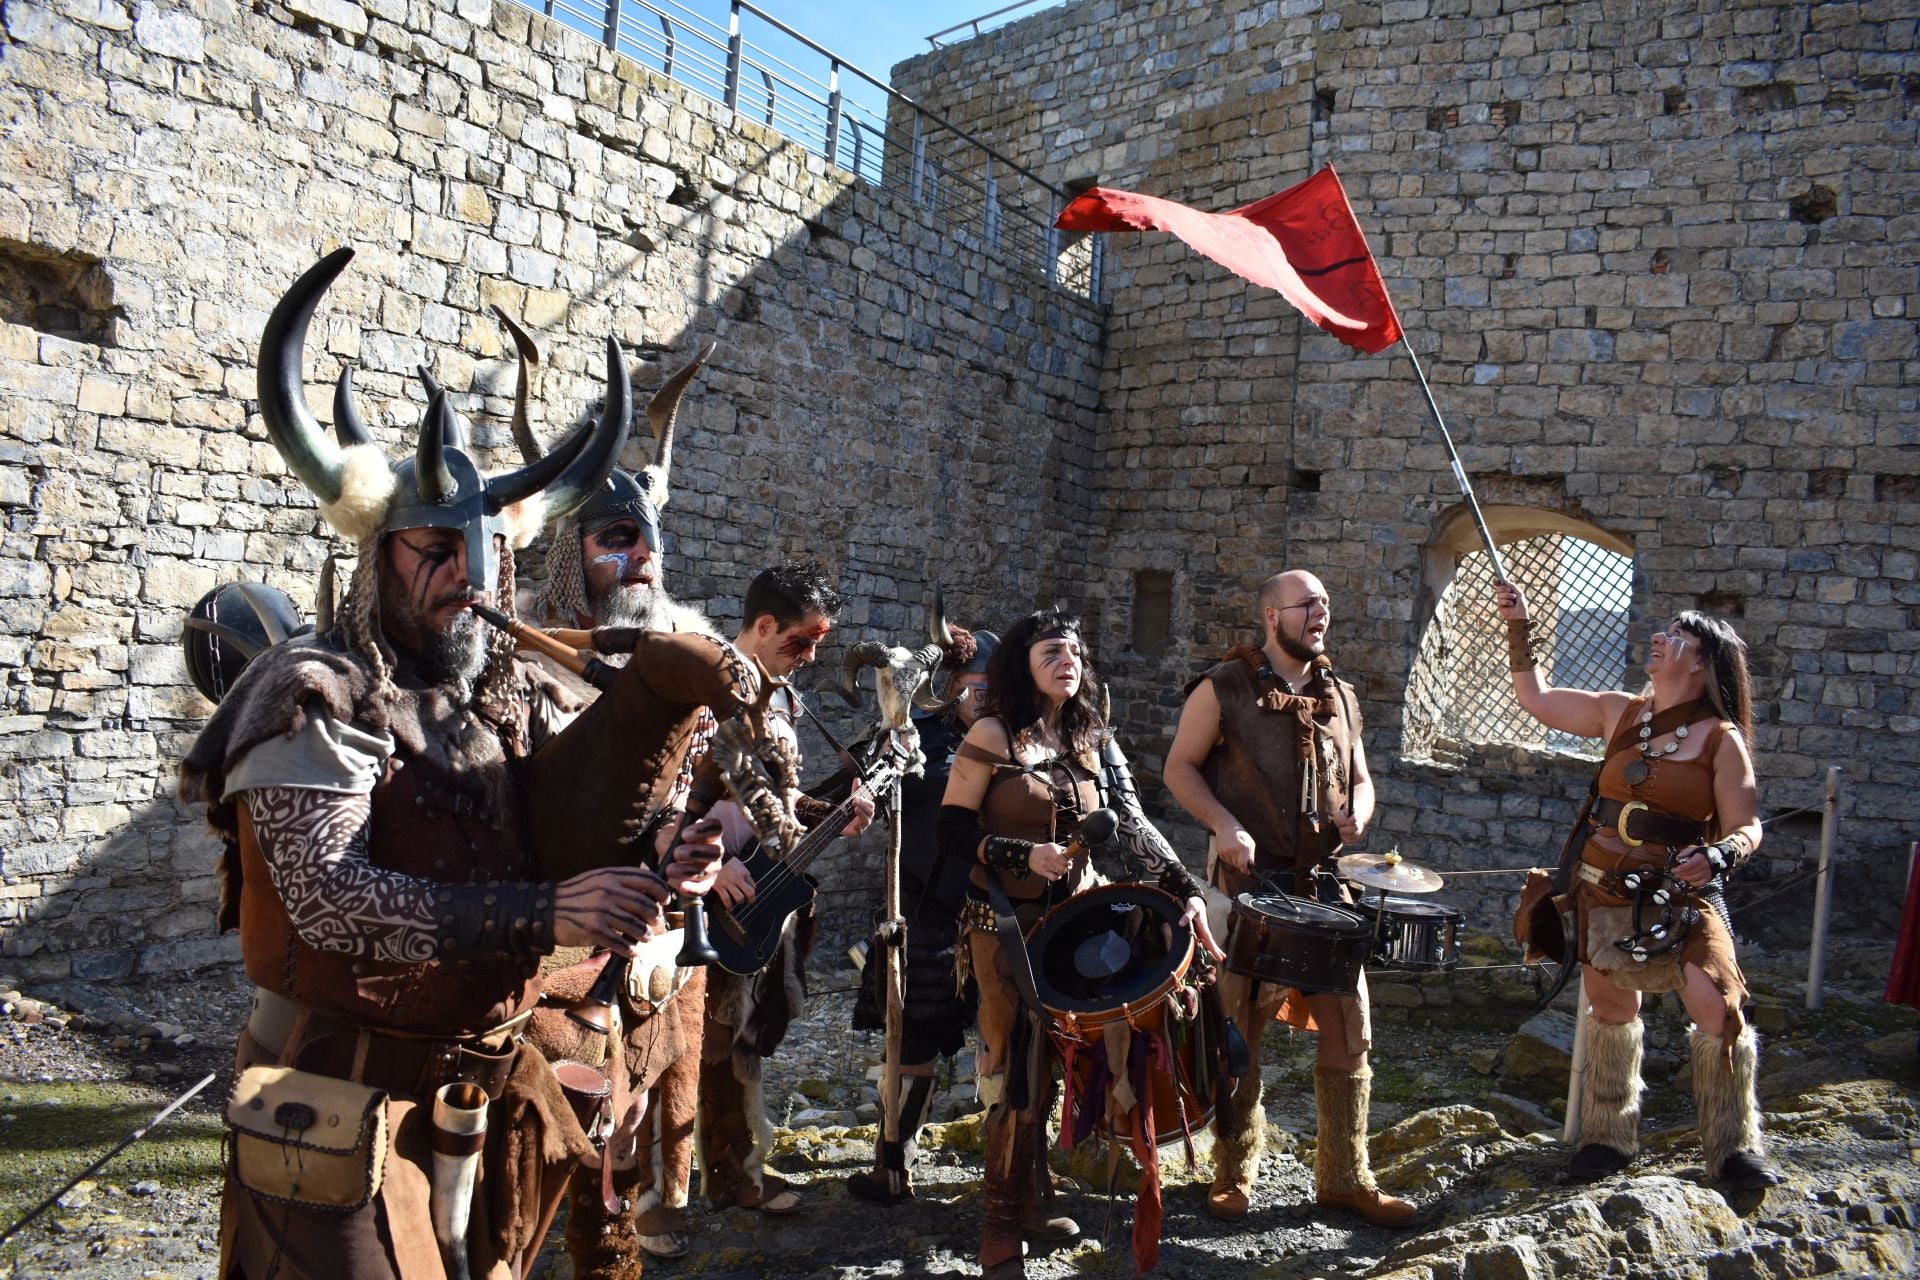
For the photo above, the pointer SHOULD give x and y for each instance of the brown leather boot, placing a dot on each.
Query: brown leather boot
(603, 1246)
(1005, 1179)
(1341, 1177)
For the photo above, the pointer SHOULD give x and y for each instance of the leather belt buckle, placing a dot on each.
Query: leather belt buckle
(1627, 810)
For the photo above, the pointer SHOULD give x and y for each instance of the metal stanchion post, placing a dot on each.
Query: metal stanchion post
(1823, 890)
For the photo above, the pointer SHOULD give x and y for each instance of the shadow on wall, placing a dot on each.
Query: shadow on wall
(895, 423)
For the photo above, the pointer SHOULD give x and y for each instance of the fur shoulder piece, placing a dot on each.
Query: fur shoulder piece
(269, 700)
(688, 618)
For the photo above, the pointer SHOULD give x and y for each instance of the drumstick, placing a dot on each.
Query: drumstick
(1095, 829)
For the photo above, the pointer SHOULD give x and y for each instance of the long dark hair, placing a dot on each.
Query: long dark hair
(1728, 686)
(1014, 700)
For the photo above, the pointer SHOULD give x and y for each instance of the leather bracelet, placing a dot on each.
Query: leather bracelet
(513, 919)
(1520, 654)
(1180, 882)
(1726, 853)
(810, 811)
(1004, 853)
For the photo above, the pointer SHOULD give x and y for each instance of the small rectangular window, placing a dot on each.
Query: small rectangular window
(1152, 611)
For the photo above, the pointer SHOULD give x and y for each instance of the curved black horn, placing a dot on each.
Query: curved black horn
(529, 353)
(281, 383)
(937, 629)
(589, 469)
(665, 406)
(262, 606)
(245, 646)
(430, 474)
(456, 433)
(346, 418)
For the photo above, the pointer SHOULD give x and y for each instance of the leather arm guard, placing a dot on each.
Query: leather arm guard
(491, 919)
(1520, 654)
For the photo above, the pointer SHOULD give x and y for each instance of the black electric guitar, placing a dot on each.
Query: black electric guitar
(746, 936)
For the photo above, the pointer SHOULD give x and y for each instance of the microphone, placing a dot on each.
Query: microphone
(1095, 829)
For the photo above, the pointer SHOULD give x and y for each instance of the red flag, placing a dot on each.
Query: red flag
(1303, 242)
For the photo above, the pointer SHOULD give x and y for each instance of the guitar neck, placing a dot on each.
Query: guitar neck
(815, 842)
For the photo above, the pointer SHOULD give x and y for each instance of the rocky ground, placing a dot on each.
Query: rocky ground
(1465, 1108)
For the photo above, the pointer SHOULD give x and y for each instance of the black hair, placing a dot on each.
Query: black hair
(1014, 700)
(789, 593)
(1724, 654)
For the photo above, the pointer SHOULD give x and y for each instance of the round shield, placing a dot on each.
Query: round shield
(228, 627)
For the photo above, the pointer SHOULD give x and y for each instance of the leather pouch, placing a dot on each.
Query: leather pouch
(1539, 924)
(307, 1140)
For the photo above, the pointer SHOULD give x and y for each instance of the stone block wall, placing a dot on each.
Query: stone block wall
(170, 167)
(1659, 259)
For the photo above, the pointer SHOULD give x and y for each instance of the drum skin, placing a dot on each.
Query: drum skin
(1316, 947)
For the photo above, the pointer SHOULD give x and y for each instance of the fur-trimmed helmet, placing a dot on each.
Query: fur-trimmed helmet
(362, 495)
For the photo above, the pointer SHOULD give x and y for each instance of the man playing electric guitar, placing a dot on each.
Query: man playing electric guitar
(788, 612)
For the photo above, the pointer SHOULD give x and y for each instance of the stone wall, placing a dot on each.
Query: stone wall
(1659, 259)
(169, 168)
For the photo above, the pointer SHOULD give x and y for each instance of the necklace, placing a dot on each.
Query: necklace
(1642, 769)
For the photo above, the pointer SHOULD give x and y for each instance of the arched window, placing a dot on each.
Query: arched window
(1579, 585)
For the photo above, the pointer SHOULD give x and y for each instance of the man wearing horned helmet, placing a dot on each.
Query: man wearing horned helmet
(378, 866)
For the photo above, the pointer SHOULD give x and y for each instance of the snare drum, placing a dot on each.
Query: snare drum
(1296, 942)
(1416, 934)
(1117, 952)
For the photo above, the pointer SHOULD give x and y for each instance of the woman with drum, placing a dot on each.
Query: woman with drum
(1029, 771)
(1675, 809)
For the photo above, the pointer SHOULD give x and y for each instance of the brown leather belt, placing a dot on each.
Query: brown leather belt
(404, 1065)
(1640, 825)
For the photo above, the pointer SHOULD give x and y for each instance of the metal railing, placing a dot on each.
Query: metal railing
(1459, 691)
(982, 199)
(972, 25)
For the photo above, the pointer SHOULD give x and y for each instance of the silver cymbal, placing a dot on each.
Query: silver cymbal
(1389, 871)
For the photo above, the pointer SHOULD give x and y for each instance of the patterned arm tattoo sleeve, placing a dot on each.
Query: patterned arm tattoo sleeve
(1138, 838)
(315, 845)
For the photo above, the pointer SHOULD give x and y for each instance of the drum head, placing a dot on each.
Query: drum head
(1417, 907)
(1284, 909)
(1107, 947)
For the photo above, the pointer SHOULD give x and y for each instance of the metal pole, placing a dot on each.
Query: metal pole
(833, 113)
(1823, 891)
(666, 30)
(990, 214)
(917, 186)
(734, 42)
(1459, 472)
(1577, 1076)
(612, 40)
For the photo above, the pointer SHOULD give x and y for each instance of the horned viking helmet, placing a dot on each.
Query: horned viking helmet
(363, 496)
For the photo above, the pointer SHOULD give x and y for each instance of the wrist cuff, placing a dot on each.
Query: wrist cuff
(1520, 655)
(494, 919)
(1004, 853)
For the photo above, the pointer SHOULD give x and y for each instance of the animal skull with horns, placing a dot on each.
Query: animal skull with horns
(903, 678)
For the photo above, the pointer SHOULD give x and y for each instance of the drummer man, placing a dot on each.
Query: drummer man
(1268, 758)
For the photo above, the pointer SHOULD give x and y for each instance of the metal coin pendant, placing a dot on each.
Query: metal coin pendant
(1636, 773)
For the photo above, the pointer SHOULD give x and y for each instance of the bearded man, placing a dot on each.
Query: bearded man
(606, 568)
(379, 867)
(1268, 758)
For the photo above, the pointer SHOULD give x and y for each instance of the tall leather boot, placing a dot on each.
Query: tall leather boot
(1005, 1181)
(603, 1246)
(1040, 1221)
(916, 1098)
(1341, 1176)
(1609, 1101)
(1239, 1139)
(1730, 1110)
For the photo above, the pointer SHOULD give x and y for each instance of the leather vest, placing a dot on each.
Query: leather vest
(1254, 770)
(433, 822)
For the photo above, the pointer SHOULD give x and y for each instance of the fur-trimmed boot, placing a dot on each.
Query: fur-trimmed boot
(1239, 1139)
(603, 1246)
(916, 1098)
(1610, 1089)
(1341, 1176)
(1730, 1110)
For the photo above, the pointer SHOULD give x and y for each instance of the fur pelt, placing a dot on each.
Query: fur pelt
(1343, 1099)
(1610, 1090)
(1240, 1136)
(271, 699)
(366, 491)
(1728, 1105)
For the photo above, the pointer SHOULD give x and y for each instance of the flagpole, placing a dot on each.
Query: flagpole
(1459, 472)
